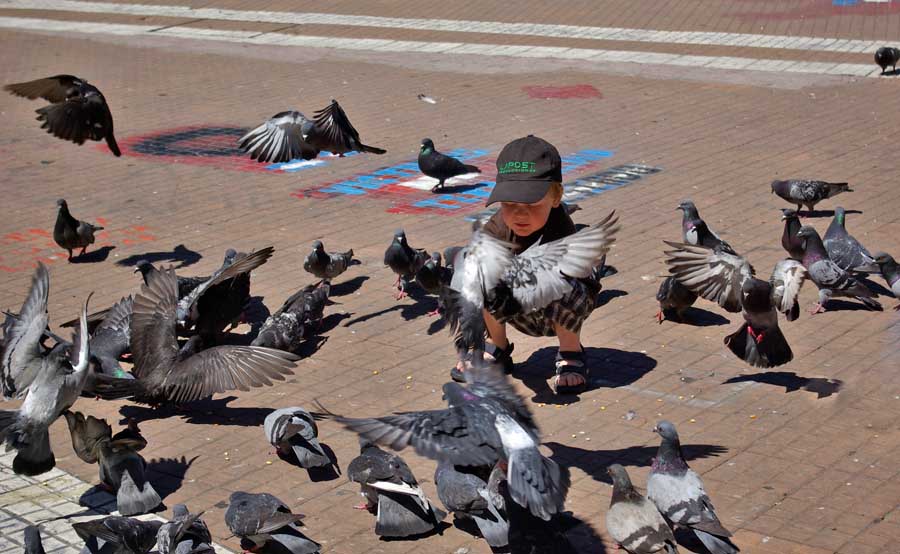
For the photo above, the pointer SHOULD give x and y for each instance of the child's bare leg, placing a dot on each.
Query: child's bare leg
(568, 342)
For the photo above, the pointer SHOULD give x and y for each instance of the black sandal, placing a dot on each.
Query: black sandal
(502, 356)
(576, 362)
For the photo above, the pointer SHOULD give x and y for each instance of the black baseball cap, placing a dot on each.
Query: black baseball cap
(525, 169)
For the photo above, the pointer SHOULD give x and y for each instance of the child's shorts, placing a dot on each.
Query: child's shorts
(569, 311)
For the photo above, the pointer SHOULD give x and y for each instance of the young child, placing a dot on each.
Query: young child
(529, 189)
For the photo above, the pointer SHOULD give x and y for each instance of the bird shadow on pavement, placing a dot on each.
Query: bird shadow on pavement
(845, 306)
(167, 474)
(606, 296)
(181, 254)
(698, 317)
(610, 368)
(792, 382)
(348, 287)
(824, 213)
(424, 303)
(94, 256)
(595, 462)
(562, 534)
(201, 412)
(451, 189)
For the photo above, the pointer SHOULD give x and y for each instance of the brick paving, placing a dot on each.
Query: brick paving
(799, 460)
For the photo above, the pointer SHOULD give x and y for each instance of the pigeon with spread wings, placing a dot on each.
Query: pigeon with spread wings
(334, 132)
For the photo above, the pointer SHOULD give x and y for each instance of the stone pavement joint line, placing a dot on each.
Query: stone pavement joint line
(384, 45)
(53, 500)
(462, 26)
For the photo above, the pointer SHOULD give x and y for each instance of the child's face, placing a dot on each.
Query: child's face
(525, 219)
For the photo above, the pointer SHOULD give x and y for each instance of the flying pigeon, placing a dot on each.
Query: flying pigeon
(296, 320)
(441, 166)
(266, 524)
(392, 492)
(674, 298)
(887, 56)
(467, 495)
(828, 276)
(163, 374)
(403, 260)
(129, 535)
(729, 281)
(70, 233)
(183, 527)
(633, 521)
(33, 544)
(791, 243)
(293, 431)
(891, 273)
(121, 467)
(807, 193)
(112, 338)
(679, 495)
(485, 422)
(49, 380)
(327, 265)
(695, 231)
(844, 250)
(77, 110)
(333, 132)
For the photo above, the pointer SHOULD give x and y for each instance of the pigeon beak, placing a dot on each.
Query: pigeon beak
(655, 429)
(136, 270)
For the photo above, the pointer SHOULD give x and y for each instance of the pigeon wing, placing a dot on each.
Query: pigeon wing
(86, 434)
(334, 126)
(278, 139)
(240, 265)
(154, 346)
(787, 280)
(117, 318)
(21, 343)
(715, 275)
(53, 89)
(78, 119)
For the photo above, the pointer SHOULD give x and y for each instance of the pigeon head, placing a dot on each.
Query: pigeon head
(427, 145)
(62, 203)
(400, 236)
(778, 186)
(689, 210)
(807, 232)
(686, 205)
(144, 267)
(788, 213)
(318, 246)
(179, 510)
(230, 254)
(666, 430)
(883, 258)
(436, 258)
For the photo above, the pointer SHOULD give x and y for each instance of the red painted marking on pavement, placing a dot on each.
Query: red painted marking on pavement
(563, 92)
(40, 232)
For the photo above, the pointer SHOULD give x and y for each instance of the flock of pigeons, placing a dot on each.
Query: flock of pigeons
(174, 332)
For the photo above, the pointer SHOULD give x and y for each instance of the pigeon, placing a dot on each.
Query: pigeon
(70, 233)
(674, 298)
(807, 193)
(844, 250)
(49, 380)
(441, 166)
(887, 56)
(332, 131)
(266, 524)
(112, 338)
(391, 490)
(77, 110)
(891, 273)
(183, 527)
(33, 544)
(296, 319)
(791, 243)
(828, 276)
(121, 467)
(633, 521)
(435, 278)
(679, 495)
(467, 495)
(695, 231)
(281, 138)
(327, 265)
(185, 284)
(293, 431)
(730, 281)
(404, 260)
(486, 422)
(163, 374)
(129, 535)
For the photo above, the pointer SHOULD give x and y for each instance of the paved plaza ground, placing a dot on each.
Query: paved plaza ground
(649, 103)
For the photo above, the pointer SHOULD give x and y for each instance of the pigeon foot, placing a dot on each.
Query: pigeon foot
(437, 187)
(437, 311)
(758, 337)
(660, 317)
(897, 307)
(817, 309)
(361, 506)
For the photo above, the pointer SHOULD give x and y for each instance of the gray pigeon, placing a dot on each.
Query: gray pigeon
(265, 524)
(70, 233)
(33, 544)
(845, 250)
(404, 261)
(112, 338)
(122, 469)
(828, 276)
(441, 166)
(296, 320)
(679, 495)
(633, 521)
(332, 131)
(485, 422)
(807, 193)
(791, 243)
(281, 138)
(467, 495)
(127, 535)
(50, 381)
(887, 56)
(695, 231)
(891, 273)
(293, 431)
(183, 527)
(674, 298)
(435, 278)
(729, 281)
(77, 110)
(327, 265)
(391, 490)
